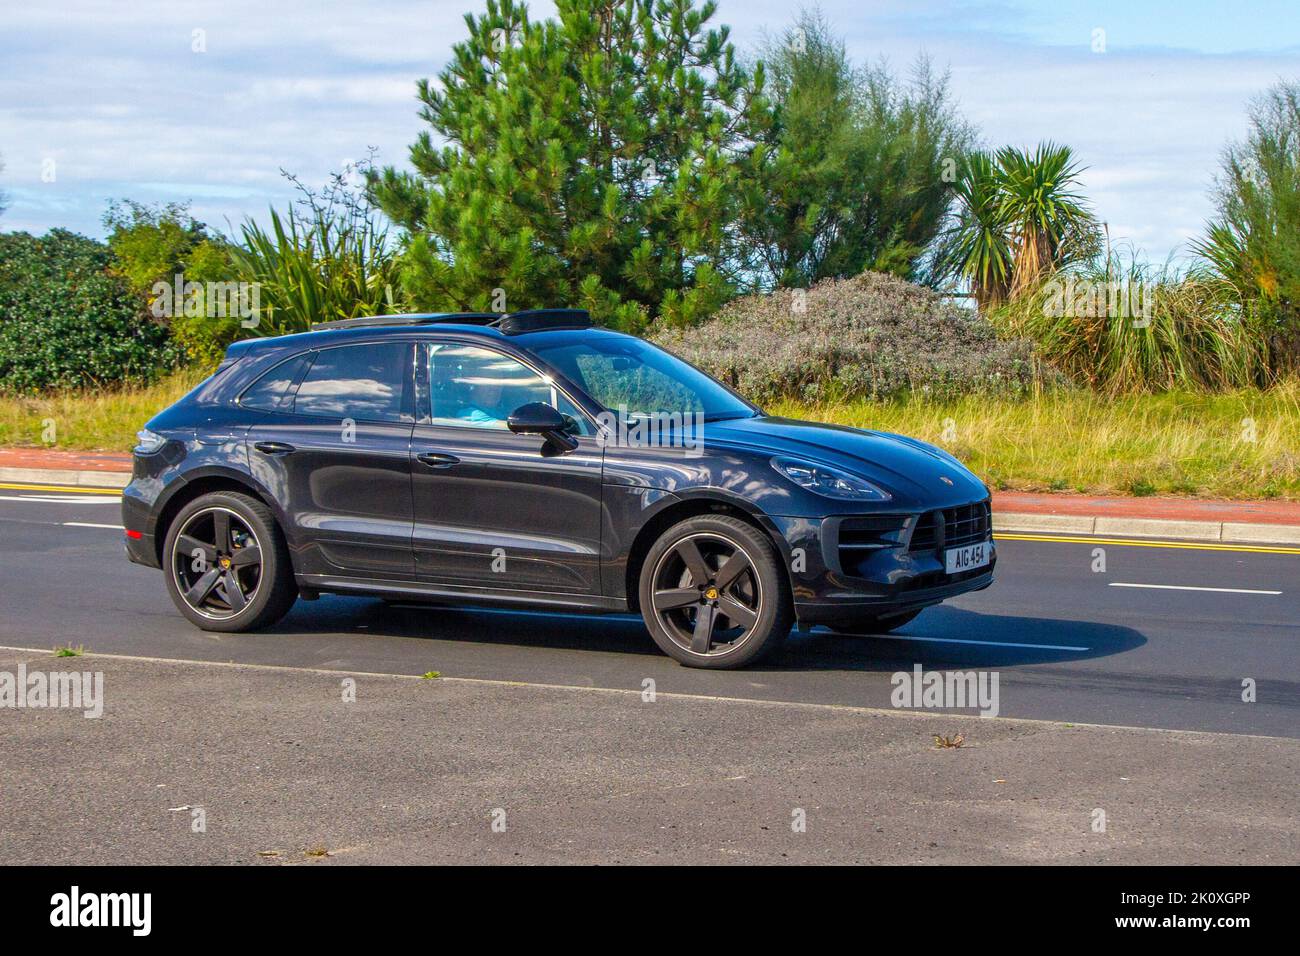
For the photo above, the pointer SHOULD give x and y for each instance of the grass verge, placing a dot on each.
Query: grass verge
(89, 420)
(1233, 445)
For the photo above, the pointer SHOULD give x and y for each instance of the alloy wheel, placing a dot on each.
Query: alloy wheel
(217, 561)
(707, 594)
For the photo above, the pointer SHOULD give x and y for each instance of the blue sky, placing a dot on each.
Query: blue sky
(114, 95)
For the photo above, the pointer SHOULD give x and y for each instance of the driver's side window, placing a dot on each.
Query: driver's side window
(479, 388)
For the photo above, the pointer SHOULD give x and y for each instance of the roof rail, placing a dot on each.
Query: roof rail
(419, 318)
(513, 323)
(536, 320)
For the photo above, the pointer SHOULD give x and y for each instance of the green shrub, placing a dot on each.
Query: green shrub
(65, 322)
(871, 336)
(205, 338)
(150, 243)
(155, 243)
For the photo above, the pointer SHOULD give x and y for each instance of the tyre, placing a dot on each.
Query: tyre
(226, 564)
(872, 624)
(713, 593)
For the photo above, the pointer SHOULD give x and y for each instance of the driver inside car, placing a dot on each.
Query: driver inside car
(482, 406)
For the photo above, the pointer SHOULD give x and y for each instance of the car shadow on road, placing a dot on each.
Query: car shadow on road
(955, 637)
(622, 633)
(940, 637)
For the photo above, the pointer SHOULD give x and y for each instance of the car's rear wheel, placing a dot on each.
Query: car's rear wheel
(874, 624)
(713, 594)
(226, 564)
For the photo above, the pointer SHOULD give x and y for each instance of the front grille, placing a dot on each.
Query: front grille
(967, 524)
(952, 527)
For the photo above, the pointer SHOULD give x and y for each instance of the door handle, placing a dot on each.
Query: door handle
(273, 447)
(437, 460)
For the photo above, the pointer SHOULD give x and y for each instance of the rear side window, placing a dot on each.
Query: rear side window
(363, 382)
(270, 392)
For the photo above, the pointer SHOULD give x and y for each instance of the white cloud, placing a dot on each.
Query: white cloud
(116, 96)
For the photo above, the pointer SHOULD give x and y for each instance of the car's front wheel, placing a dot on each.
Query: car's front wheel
(713, 594)
(226, 564)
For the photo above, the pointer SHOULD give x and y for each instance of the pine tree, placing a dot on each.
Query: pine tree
(592, 160)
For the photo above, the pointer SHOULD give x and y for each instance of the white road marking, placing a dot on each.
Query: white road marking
(1188, 587)
(957, 640)
(88, 524)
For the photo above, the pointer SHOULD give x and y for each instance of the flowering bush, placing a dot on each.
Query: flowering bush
(871, 336)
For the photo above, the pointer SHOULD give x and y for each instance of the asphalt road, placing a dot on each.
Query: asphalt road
(214, 763)
(1069, 643)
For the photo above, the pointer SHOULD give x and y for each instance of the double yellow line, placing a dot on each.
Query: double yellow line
(76, 489)
(1138, 543)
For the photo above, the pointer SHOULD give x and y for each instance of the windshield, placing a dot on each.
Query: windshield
(635, 378)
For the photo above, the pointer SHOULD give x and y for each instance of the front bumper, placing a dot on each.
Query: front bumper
(841, 607)
(886, 580)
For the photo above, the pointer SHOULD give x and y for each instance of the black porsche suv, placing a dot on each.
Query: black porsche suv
(532, 459)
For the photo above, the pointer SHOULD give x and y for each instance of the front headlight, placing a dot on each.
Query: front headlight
(147, 442)
(828, 482)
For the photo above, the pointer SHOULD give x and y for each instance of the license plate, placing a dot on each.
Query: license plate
(967, 558)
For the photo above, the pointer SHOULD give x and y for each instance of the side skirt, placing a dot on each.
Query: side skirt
(594, 603)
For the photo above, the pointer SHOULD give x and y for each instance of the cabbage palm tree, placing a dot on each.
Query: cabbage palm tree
(1050, 225)
(977, 249)
(1018, 217)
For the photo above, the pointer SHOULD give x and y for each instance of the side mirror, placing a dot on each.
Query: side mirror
(538, 418)
(535, 418)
